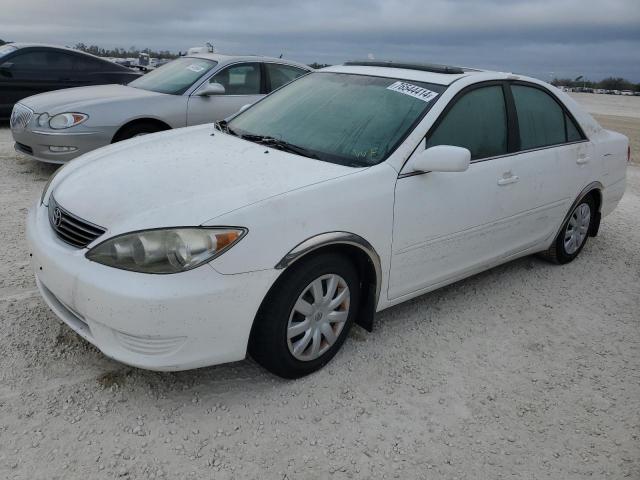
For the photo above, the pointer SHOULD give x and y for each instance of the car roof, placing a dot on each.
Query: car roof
(223, 59)
(58, 47)
(419, 72)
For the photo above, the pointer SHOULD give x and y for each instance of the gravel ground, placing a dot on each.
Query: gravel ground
(527, 371)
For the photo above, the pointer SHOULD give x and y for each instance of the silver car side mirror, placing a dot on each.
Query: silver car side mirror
(212, 89)
(442, 158)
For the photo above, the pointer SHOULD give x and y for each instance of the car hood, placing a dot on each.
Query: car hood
(183, 177)
(79, 98)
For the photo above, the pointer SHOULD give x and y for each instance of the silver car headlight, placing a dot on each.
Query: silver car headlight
(67, 120)
(169, 250)
(43, 120)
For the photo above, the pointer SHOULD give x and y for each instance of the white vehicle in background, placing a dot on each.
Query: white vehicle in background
(348, 191)
(627, 93)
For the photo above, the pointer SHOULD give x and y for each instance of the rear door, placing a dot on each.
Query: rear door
(244, 84)
(553, 161)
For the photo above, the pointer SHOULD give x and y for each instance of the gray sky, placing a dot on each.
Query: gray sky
(544, 38)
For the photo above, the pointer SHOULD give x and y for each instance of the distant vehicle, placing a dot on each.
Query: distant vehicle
(29, 69)
(614, 92)
(58, 126)
(348, 191)
(636, 94)
(599, 90)
(627, 93)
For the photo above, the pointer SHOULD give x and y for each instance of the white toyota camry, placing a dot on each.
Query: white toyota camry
(350, 190)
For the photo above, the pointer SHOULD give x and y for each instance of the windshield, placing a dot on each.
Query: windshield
(353, 120)
(6, 50)
(175, 77)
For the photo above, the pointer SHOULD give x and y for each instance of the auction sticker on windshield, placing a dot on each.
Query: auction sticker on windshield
(413, 90)
(195, 68)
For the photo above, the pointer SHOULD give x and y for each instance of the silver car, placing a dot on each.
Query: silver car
(57, 126)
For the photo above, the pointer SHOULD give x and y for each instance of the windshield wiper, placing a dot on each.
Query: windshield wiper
(280, 145)
(223, 126)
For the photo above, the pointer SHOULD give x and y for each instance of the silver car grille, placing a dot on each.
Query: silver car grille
(20, 116)
(70, 228)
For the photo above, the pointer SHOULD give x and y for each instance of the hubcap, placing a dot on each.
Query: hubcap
(577, 228)
(318, 317)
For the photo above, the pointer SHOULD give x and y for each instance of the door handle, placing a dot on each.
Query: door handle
(582, 159)
(507, 179)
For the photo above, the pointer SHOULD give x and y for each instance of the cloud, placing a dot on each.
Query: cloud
(567, 37)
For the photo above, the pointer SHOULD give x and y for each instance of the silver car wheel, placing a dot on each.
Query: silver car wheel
(318, 317)
(577, 228)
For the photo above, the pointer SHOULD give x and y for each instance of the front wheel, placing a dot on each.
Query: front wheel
(574, 233)
(305, 319)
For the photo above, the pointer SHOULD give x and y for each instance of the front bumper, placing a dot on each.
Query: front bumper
(36, 143)
(158, 322)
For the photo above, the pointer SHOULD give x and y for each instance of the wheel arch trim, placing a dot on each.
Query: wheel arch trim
(593, 186)
(335, 238)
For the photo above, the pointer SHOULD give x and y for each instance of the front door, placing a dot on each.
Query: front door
(449, 223)
(243, 83)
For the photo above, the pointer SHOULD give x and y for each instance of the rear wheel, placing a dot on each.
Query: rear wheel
(574, 233)
(304, 321)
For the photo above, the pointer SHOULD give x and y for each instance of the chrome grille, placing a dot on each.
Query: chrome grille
(71, 229)
(20, 116)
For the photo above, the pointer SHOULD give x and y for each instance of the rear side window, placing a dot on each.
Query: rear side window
(280, 75)
(541, 119)
(573, 134)
(477, 121)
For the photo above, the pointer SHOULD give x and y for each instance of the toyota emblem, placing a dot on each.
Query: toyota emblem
(57, 217)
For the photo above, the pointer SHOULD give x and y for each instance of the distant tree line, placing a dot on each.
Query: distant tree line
(132, 52)
(610, 83)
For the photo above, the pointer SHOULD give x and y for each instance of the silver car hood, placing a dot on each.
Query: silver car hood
(179, 178)
(79, 98)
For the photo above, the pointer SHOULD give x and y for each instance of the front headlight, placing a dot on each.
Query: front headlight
(67, 120)
(43, 120)
(170, 250)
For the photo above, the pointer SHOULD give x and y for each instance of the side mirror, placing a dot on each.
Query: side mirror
(211, 89)
(442, 158)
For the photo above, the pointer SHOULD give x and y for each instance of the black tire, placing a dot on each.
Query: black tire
(140, 128)
(269, 345)
(558, 253)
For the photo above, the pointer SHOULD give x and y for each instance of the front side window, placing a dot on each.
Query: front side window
(243, 79)
(354, 120)
(175, 77)
(280, 75)
(477, 121)
(541, 119)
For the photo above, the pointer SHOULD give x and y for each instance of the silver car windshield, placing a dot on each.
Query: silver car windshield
(6, 50)
(175, 77)
(354, 120)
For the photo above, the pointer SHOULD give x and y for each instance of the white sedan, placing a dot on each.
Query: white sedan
(348, 191)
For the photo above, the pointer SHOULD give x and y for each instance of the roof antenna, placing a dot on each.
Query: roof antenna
(210, 47)
(280, 56)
